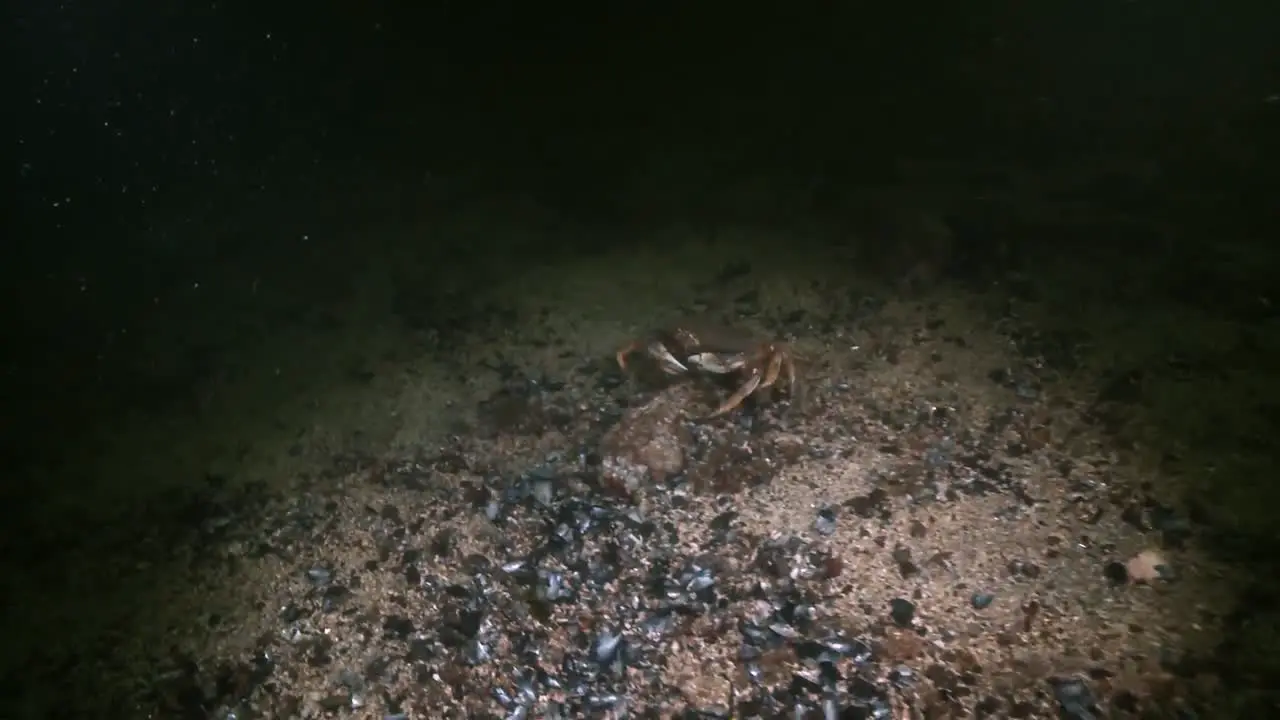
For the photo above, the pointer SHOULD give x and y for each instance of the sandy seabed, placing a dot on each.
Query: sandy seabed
(942, 523)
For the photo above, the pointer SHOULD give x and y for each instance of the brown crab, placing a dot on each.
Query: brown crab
(700, 346)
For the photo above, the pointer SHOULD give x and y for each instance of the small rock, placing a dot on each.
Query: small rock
(1024, 569)
(1116, 573)
(906, 567)
(648, 442)
(825, 524)
(1147, 567)
(1075, 699)
(902, 612)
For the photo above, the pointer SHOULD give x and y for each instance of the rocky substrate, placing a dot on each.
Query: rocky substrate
(937, 527)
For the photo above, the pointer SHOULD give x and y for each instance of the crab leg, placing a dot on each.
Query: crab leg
(736, 399)
(623, 352)
(771, 374)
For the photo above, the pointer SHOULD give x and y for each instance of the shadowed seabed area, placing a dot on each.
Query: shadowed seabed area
(338, 430)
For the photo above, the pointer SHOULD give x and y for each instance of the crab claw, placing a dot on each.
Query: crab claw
(670, 365)
(717, 363)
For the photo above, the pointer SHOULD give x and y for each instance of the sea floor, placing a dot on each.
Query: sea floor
(985, 499)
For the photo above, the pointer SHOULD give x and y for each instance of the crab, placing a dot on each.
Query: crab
(702, 347)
